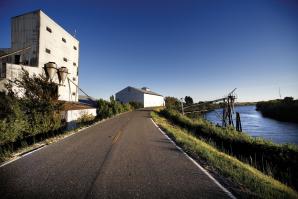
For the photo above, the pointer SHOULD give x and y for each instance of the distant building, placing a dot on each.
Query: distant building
(144, 95)
(48, 42)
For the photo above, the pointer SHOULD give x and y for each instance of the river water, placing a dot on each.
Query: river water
(256, 125)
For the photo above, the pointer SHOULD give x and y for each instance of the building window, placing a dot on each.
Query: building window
(74, 64)
(49, 29)
(75, 48)
(78, 72)
(48, 51)
(64, 40)
(64, 59)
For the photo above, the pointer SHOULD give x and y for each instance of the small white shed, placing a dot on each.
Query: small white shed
(144, 95)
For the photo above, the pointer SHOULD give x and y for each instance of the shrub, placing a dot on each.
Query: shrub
(86, 118)
(110, 108)
(35, 113)
(104, 110)
(172, 103)
(136, 105)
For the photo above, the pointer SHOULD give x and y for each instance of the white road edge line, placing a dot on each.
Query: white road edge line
(8, 162)
(67, 136)
(33, 151)
(19, 157)
(195, 163)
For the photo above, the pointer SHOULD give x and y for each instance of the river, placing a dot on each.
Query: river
(254, 124)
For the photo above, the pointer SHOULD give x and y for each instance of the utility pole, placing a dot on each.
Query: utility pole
(182, 110)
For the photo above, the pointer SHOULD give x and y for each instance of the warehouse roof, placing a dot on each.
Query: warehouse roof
(147, 91)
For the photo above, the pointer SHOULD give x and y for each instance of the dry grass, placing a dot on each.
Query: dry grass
(258, 184)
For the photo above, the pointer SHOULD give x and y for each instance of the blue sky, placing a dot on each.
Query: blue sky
(199, 48)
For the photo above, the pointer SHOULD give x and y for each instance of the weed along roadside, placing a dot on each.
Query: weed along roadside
(35, 119)
(276, 160)
(8, 154)
(18, 149)
(247, 181)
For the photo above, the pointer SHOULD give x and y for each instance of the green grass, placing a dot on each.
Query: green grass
(258, 184)
(279, 161)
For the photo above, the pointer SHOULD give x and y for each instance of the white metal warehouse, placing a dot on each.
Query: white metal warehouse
(144, 95)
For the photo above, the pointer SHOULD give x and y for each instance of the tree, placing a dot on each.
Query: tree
(36, 112)
(288, 100)
(172, 103)
(188, 100)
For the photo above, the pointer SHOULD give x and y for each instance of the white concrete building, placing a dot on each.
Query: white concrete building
(48, 42)
(143, 95)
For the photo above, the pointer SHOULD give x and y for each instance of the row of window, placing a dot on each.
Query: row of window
(63, 39)
(64, 58)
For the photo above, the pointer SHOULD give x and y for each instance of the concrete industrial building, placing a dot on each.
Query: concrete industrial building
(144, 95)
(44, 47)
(47, 42)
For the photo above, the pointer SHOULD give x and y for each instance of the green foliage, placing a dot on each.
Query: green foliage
(172, 103)
(136, 105)
(110, 108)
(86, 118)
(15, 124)
(188, 100)
(280, 161)
(252, 183)
(283, 110)
(35, 113)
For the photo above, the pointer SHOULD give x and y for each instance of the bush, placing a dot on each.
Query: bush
(136, 105)
(172, 103)
(37, 112)
(86, 118)
(110, 108)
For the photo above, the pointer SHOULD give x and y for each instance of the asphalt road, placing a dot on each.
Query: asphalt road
(124, 157)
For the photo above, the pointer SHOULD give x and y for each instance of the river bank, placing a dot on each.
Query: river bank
(283, 110)
(256, 125)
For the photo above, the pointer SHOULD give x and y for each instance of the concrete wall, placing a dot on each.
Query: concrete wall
(13, 71)
(24, 33)
(73, 115)
(130, 95)
(60, 50)
(153, 100)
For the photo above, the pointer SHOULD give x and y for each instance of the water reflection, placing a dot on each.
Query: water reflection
(256, 125)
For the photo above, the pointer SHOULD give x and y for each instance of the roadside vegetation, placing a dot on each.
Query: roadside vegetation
(110, 108)
(283, 110)
(276, 160)
(37, 115)
(200, 140)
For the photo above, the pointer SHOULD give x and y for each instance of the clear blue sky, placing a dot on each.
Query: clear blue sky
(199, 48)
